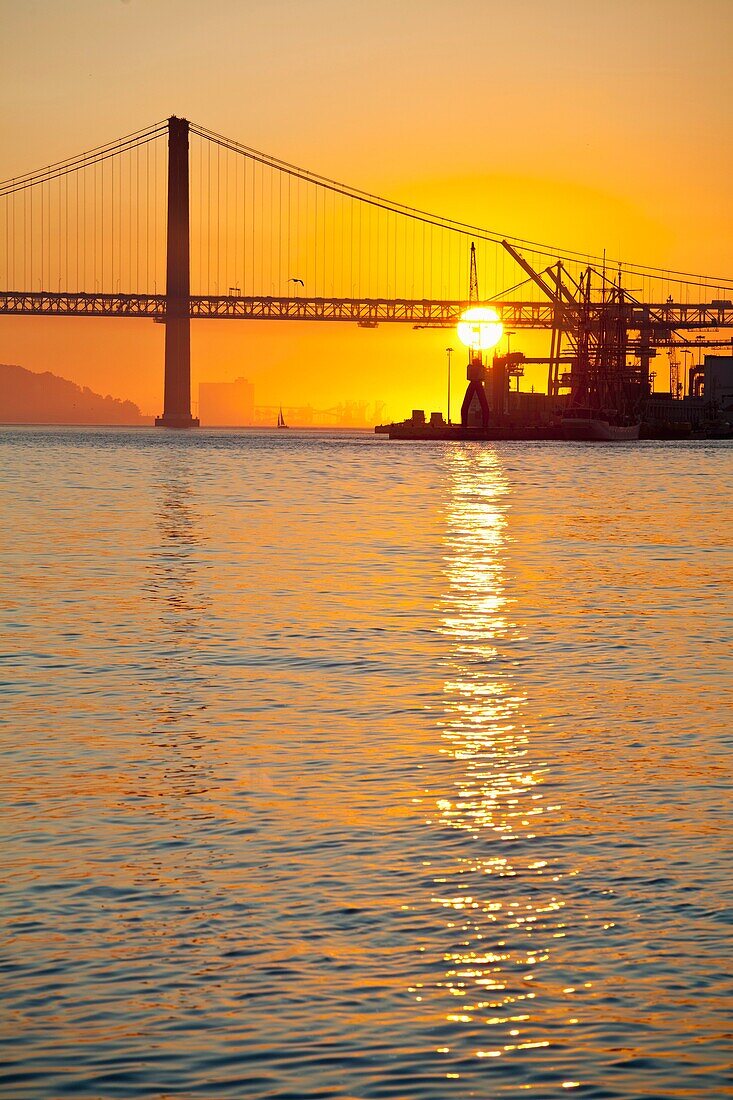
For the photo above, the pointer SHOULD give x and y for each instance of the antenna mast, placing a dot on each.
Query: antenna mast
(473, 278)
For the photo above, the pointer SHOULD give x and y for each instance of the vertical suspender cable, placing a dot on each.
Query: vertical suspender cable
(236, 220)
(209, 220)
(342, 238)
(315, 243)
(31, 196)
(23, 197)
(298, 224)
(147, 218)
(200, 149)
(428, 285)
(43, 240)
(156, 158)
(244, 226)
(374, 292)
(260, 223)
(112, 234)
(251, 242)
(101, 231)
(117, 247)
(76, 232)
(84, 248)
(368, 277)
(129, 221)
(253, 201)
(94, 222)
(307, 238)
(137, 220)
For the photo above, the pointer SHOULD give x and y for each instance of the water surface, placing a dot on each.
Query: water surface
(336, 767)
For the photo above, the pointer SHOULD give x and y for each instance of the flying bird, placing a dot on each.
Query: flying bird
(293, 280)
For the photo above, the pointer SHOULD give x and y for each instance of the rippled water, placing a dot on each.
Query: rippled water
(335, 767)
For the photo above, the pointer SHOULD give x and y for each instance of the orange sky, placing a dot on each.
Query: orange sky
(588, 124)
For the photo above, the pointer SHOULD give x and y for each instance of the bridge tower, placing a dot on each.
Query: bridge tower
(177, 391)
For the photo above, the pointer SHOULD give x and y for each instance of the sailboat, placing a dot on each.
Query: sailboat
(281, 419)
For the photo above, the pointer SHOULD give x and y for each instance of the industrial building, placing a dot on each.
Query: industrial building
(713, 380)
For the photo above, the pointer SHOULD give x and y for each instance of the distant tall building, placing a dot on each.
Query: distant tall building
(226, 404)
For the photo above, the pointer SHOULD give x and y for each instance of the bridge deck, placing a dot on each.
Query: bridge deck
(368, 312)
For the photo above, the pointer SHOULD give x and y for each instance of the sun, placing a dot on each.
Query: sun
(480, 328)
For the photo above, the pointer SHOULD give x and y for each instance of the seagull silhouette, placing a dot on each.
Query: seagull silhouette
(293, 280)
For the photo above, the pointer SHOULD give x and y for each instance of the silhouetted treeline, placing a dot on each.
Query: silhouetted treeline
(30, 398)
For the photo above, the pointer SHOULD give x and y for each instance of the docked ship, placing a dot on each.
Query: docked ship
(602, 425)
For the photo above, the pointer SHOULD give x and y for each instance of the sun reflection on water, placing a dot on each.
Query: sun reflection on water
(498, 895)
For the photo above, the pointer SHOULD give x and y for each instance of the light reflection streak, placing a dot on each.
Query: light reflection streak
(177, 592)
(497, 896)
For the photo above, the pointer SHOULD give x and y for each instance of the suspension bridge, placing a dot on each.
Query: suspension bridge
(176, 222)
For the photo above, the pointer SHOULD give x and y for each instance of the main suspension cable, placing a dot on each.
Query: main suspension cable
(463, 228)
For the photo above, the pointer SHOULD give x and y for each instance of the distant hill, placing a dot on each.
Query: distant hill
(30, 398)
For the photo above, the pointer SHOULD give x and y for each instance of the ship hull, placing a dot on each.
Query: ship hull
(600, 430)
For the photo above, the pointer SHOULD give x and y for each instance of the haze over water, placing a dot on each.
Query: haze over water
(342, 768)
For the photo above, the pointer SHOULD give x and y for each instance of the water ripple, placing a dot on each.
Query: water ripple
(338, 768)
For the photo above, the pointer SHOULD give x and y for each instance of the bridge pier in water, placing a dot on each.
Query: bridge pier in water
(177, 389)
